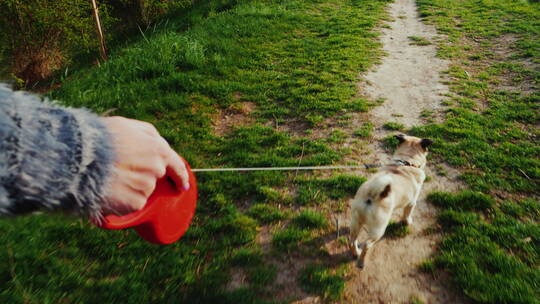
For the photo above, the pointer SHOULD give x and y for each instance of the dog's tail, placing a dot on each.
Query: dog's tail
(381, 187)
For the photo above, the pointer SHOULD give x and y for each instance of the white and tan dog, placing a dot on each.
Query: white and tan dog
(396, 185)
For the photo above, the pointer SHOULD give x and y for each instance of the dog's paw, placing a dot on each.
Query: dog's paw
(406, 222)
(354, 250)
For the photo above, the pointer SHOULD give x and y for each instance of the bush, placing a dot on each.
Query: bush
(37, 36)
(144, 12)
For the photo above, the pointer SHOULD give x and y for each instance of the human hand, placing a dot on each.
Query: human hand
(142, 157)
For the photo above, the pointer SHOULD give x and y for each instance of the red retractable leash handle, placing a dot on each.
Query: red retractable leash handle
(165, 217)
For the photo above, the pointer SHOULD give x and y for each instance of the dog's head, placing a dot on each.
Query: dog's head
(412, 149)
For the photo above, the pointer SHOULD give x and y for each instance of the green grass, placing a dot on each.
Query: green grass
(428, 266)
(262, 275)
(365, 130)
(266, 214)
(312, 191)
(416, 300)
(463, 201)
(296, 61)
(319, 279)
(416, 40)
(491, 241)
(247, 256)
(310, 219)
(490, 132)
(493, 258)
(396, 230)
(426, 113)
(393, 126)
(390, 142)
(271, 195)
(290, 238)
(337, 136)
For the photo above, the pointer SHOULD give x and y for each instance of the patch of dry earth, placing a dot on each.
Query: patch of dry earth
(409, 81)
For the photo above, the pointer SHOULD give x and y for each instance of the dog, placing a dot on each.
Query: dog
(396, 185)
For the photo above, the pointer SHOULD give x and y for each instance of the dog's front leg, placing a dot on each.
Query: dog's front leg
(360, 261)
(365, 246)
(356, 226)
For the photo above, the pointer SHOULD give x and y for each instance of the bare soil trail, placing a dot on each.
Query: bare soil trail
(409, 81)
(409, 77)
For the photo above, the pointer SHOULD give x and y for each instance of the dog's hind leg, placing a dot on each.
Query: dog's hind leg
(407, 213)
(408, 210)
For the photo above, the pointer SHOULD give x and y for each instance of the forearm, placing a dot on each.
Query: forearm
(51, 157)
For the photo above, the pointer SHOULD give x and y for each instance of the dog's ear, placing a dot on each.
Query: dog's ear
(426, 142)
(400, 138)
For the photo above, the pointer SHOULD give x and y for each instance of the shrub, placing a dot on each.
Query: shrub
(145, 12)
(38, 36)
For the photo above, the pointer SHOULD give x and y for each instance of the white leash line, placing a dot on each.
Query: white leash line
(284, 168)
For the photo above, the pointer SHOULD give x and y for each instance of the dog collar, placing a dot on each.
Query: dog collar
(401, 162)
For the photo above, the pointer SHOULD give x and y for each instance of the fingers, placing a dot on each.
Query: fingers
(177, 170)
(134, 201)
(148, 128)
(142, 157)
(124, 199)
(142, 182)
(144, 126)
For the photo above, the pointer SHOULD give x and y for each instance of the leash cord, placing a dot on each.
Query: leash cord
(366, 166)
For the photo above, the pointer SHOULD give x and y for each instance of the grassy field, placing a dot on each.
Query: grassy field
(271, 63)
(492, 243)
(281, 69)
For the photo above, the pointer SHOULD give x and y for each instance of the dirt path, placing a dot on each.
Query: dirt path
(409, 81)
(409, 76)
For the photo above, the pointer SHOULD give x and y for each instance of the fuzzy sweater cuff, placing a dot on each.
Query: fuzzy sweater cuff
(51, 157)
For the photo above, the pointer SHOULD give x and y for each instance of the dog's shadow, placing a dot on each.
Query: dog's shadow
(336, 248)
(336, 242)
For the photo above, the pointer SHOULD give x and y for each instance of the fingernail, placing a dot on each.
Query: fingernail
(185, 187)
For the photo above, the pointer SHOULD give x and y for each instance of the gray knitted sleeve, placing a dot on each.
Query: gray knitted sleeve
(51, 157)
